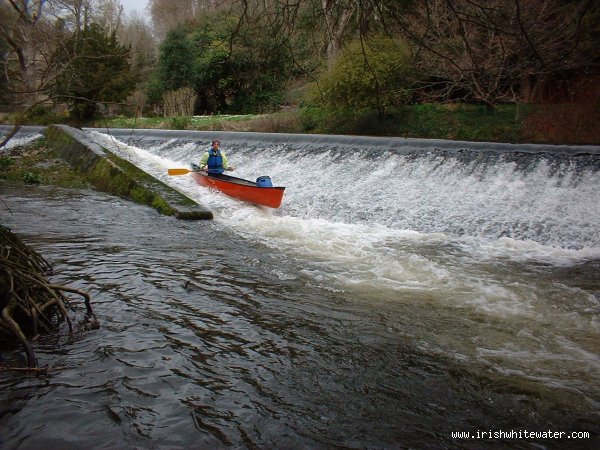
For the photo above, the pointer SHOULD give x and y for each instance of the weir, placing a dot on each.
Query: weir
(545, 194)
(405, 145)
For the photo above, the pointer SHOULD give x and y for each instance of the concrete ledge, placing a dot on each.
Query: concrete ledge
(109, 173)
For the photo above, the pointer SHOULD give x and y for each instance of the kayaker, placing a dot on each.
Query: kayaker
(214, 160)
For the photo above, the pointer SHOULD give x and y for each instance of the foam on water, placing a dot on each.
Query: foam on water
(429, 226)
(541, 212)
(20, 140)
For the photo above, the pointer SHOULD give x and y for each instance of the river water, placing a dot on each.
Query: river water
(405, 290)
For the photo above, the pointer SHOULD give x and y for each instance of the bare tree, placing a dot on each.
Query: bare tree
(33, 32)
(18, 20)
(28, 57)
(109, 15)
(484, 50)
(169, 14)
(488, 51)
(336, 16)
(137, 33)
(179, 103)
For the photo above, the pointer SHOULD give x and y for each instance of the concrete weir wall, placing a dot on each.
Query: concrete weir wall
(109, 173)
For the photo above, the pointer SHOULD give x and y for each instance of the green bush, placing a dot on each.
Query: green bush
(180, 123)
(39, 115)
(367, 76)
(5, 162)
(312, 119)
(230, 71)
(96, 70)
(433, 121)
(31, 178)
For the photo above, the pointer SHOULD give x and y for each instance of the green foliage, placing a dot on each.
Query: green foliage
(258, 101)
(214, 82)
(453, 121)
(96, 70)
(5, 162)
(176, 62)
(461, 122)
(312, 119)
(180, 123)
(40, 115)
(31, 178)
(154, 89)
(371, 75)
(230, 70)
(259, 65)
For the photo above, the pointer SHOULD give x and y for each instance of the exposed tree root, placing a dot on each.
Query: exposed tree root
(29, 303)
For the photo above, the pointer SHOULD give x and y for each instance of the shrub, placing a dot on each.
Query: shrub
(5, 162)
(277, 123)
(31, 178)
(311, 118)
(371, 75)
(572, 118)
(180, 123)
(40, 115)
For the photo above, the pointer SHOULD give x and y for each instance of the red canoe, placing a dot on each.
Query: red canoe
(245, 190)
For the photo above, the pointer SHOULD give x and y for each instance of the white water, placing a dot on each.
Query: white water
(478, 249)
(19, 140)
(542, 214)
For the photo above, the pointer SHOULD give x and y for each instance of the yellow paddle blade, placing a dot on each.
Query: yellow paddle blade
(178, 171)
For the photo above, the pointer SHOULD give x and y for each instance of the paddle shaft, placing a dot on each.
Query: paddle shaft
(179, 171)
(186, 171)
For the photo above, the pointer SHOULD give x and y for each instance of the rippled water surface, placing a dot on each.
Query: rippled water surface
(389, 319)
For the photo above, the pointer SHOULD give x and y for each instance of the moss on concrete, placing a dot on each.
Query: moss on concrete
(36, 163)
(109, 173)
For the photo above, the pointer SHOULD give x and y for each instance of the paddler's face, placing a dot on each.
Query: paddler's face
(215, 145)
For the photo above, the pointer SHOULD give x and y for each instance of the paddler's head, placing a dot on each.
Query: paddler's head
(215, 144)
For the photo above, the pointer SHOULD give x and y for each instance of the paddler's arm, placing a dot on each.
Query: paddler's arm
(226, 165)
(203, 161)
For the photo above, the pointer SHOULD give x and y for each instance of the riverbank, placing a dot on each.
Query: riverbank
(428, 121)
(510, 123)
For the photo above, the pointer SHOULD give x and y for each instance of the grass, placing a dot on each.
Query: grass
(429, 121)
(461, 122)
(214, 122)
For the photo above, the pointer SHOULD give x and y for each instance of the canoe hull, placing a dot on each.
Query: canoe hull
(241, 189)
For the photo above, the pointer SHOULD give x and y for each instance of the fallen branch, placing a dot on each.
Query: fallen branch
(36, 370)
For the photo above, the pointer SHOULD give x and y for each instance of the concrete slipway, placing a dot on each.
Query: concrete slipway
(109, 173)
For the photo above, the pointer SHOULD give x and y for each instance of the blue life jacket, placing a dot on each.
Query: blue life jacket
(215, 162)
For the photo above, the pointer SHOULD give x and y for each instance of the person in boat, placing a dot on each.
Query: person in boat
(215, 161)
